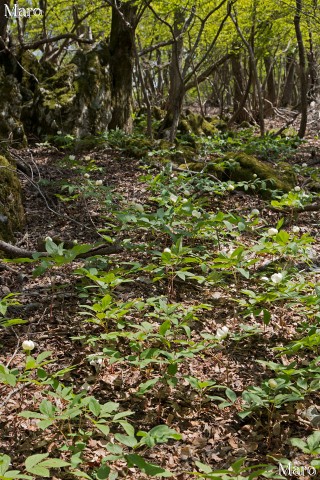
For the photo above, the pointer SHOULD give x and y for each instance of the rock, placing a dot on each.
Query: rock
(11, 127)
(76, 99)
(245, 167)
(242, 167)
(11, 209)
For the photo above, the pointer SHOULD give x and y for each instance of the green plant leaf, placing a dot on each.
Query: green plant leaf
(126, 440)
(148, 468)
(94, 407)
(103, 428)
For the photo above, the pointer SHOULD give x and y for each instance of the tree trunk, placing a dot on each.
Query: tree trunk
(289, 82)
(176, 88)
(239, 112)
(302, 72)
(312, 70)
(122, 57)
(271, 94)
(3, 23)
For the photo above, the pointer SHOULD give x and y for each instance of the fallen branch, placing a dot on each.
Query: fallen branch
(17, 252)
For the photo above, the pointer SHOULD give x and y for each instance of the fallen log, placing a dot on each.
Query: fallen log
(17, 252)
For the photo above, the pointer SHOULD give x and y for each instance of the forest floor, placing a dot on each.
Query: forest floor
(64, 201)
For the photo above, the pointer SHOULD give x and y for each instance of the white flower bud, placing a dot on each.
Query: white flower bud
(72, 157)
(264, 279)
(28, 345)
(297, 188)
(304, 165)
(222, 333)
(272, 231)
(138, 207)
(48, 239)
(295, 229)
(277, 277)
(272, 383)
(255, 212)
(167, 250)
(86, 175)
(230, 187)
(99, 182)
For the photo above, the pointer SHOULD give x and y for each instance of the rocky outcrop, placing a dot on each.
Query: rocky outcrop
(11, 127)
(11, 209)
(75, 100)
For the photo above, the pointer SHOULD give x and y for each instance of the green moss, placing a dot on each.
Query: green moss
(11, 210)
(196, 124)
(211, 167)
(75, 99)
(246, 167)
(11, 128)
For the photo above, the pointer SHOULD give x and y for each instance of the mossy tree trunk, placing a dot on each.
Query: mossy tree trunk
(121, 50)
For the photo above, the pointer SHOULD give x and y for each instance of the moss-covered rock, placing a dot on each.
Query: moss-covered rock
(242, 167)
(247, 167)
(76, 99)
(196, 124)
(11, 127)
(11, 209)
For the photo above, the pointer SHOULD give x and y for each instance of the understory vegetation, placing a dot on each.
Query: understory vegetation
(191, 348)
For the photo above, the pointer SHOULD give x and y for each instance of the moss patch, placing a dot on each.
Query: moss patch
(245, 167)
(11, 209)
(11, 128)
(196, 124)
(75, 99)
(242, 167)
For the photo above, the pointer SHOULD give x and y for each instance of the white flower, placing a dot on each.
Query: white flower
(255, 212)
(222, 333)
(48, 239)
(28, 345)
(254, 175)
(184, 200)
(230, 187)
(272, 383)
(295, 229)
(72, 157)
(196, 214)
(167, 250)
(272, 231)
(264, 279)
(304, 165)
(297, 189)
(138, 207)
(86, 175)
(87, 158)
(59, 132)
(99, 182)
(277, 277)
